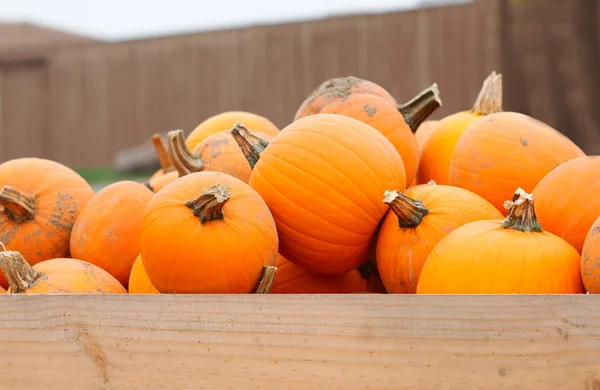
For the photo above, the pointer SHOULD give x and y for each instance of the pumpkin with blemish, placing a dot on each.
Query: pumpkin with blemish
(139, 283)
(590, 259)
(40, 201)
(107, 232)
(56, 276)
(510, 256)
(418, 219)
(207, 232)
(322, 178)
(568, 199)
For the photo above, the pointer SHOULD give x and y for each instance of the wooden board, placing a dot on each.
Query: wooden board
(300, 342)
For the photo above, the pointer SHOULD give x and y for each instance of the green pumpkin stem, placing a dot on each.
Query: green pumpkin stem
(18, 206)
(184, 161)
(251, 145)
(521, 213)
(489, 100)
(164, 157)
(265, 283)
(421, 107)
(19, 274)
(410, 212)
(209, 206)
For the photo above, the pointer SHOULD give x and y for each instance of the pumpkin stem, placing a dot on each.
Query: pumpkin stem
(251, 145)
(184, 161)
(421, 107)
(489, 100)
(368, 269)
(431, 183)
(265, 283)
(164, 157)
(18, 273)
(209, 206)
(18, 206)
(410, 212)
(521, 213)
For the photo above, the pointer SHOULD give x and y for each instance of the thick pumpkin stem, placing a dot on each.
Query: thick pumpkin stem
(184, 161)
(431, 183)
(489, 100)
(521, 213)
(164, 157)
(18, 206)
(410, 212)
(265, 283)
(18, 273)
(251, 145)
(421, 107)
(209, 206)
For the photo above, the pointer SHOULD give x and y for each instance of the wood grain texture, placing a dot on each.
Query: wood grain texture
(300, 342)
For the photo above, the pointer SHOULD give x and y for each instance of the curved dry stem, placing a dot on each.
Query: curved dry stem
(184, 161)
(421, 107)
(164, 157)
(209, 206)
(19, 274)
(251, 145)
(410, 212)
(521, 213)
(431, 183)
(267, 278)
(489, 99)
(18, 206)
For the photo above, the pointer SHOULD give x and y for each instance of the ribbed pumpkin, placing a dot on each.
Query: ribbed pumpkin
(139, 283)
(590, 259)
(56, 276)
(226, 121)
(293, 279)
(436, 151)
(40, 199)
(207, 232)
(322, 178)
(424, 132)
(568, 199)
(107, 232)
(513, 256)
(418, 220)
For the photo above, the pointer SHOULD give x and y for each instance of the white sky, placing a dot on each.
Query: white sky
(127, 19)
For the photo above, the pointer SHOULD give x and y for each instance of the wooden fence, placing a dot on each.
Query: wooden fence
(80, 106)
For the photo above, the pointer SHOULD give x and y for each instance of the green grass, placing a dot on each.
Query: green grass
(107, 174)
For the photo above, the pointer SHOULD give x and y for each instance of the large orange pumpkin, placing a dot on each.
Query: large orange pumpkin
(56, 276)
(293, 279)
(438, 146)
(207, 232)
(226, 121)
(513, 256)
(40, 201)
(590, 259)
(139, 283)
(418, 220)
(107, 232)
(322, 178)
(568, 201)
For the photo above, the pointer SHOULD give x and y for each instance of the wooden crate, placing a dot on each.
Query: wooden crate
(299, 342)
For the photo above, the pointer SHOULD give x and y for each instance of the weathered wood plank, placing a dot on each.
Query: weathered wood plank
(300, 342)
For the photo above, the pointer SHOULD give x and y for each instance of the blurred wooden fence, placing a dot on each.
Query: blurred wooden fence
(80, 106)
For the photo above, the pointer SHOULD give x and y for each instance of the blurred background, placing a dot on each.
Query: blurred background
(88, 83)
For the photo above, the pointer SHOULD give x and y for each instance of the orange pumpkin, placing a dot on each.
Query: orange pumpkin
(40, 199)
(590, 259)
(322, 177)
(164, 158)
(437, 148)
(139, 283)
(56, 276)
(293, 279)
(424, 132)
(420, 218)
(567, 200)
(513, 256)
(207, 232)
(2, 290)
(107, 232)
(225, 121)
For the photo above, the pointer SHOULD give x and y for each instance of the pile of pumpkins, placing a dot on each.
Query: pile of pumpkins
(359, 194)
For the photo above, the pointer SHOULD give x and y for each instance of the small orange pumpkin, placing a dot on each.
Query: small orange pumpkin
(590, 259)
(207, 232)
(418, 220)
(513, 256)
(424, 132)
(226, 121)
(56, 276)
(322, 177)
(139, 283)
(567, 200)
(107, 232)
(40, 199)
